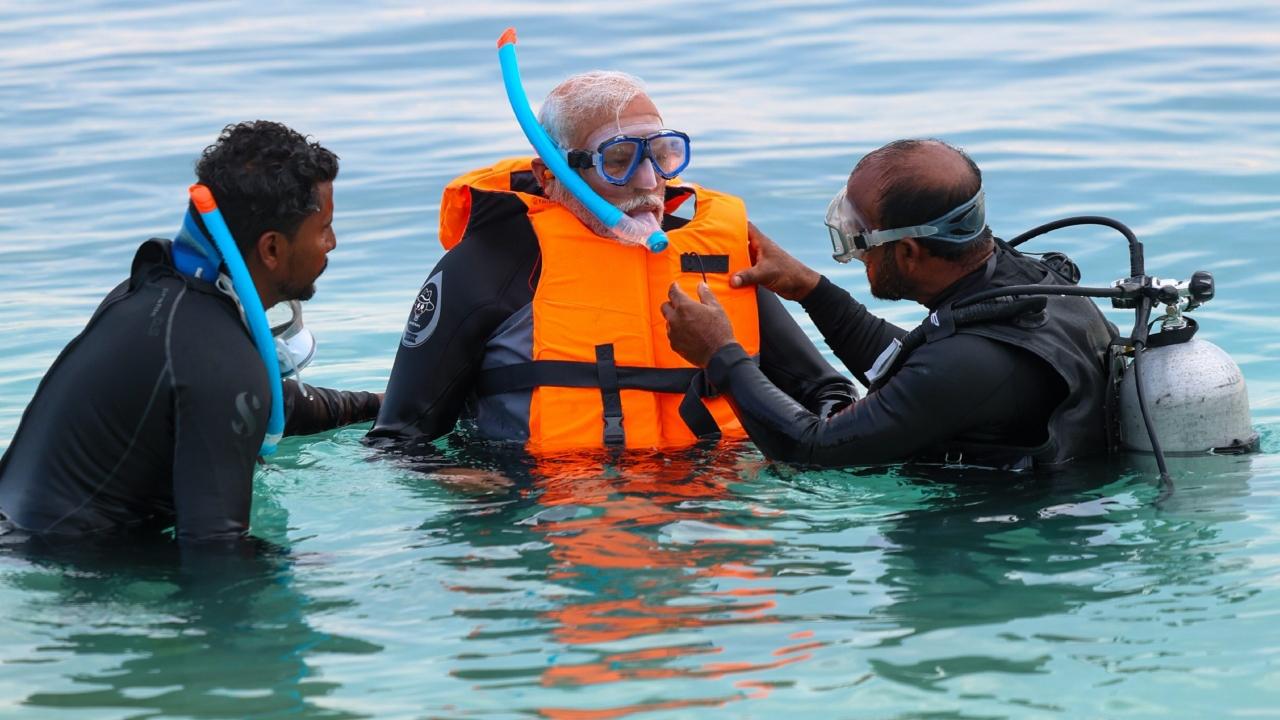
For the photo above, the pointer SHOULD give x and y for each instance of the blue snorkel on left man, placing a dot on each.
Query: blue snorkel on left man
(154, 416)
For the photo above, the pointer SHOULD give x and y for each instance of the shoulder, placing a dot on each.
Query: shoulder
(966, 355)
(207, 341)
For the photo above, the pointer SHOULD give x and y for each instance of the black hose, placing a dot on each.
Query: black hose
(1137, 286)
(1140, 347)
(1014, 290)
(1136, 263)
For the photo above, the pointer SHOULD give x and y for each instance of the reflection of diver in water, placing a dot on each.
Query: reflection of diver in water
(632, 560)
(976, 558)
(147, 627)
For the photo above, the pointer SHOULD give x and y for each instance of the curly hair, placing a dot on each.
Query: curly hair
(264, 176)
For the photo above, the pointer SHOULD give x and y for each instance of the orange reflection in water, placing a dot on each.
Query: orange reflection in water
(645, 585)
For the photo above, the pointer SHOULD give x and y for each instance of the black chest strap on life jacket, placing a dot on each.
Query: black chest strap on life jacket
(610, 396)
(945, 321)
(611, 378)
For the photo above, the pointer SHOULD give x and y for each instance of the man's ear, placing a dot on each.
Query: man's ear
(541, 173)
(911, 252)
(271, 249)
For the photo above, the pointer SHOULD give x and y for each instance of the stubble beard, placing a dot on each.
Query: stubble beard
(889, 283)
(303, 293)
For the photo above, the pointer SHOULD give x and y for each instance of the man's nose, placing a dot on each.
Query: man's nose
(644, 178)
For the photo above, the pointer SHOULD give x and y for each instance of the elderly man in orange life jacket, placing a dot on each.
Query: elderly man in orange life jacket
(538, 327)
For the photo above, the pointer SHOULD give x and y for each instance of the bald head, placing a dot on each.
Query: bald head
(910, 182)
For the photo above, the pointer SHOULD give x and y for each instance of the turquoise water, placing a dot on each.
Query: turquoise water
(698, 585)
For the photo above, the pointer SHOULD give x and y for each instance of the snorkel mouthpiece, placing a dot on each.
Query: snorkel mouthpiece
(254, 315)
(622, 226)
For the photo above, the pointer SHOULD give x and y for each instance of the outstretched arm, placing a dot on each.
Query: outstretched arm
(309, 409)
(944, 390)
(792, 363)
(855, 335)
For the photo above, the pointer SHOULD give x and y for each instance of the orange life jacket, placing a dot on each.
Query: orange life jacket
(603, 371)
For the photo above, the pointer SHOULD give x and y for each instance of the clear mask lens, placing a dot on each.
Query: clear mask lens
(670, 154)
(295, 345)
(844, 228)
(618, 159)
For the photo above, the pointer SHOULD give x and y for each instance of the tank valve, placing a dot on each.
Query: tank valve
(1200, 288)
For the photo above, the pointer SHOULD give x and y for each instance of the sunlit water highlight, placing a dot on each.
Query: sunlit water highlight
(484, 585)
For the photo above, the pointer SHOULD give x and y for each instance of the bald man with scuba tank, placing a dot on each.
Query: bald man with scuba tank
(1012, 385)
(156, 414)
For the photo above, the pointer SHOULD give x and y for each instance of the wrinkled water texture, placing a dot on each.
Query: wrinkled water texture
(480, 586)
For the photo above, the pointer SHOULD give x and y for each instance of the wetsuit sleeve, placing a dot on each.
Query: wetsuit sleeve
(476, 286)
(943, 389)
(855, 335)
(310, 409)
(220, 405)
(793, 364)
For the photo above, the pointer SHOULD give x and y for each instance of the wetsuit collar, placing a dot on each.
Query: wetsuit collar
(966, 285)
(193, 251)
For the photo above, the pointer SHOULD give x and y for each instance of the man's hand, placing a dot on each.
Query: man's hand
(773, 268)
(696, 330)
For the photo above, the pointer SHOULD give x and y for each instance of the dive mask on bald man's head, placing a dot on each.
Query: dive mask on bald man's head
(851, 237)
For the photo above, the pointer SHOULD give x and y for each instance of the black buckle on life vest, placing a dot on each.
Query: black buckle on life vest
(610, 395)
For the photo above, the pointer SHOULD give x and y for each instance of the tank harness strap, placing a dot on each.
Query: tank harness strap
(943, 322)
(1173, 337)
(607, 372)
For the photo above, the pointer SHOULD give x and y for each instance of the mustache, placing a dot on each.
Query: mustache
(642, 202)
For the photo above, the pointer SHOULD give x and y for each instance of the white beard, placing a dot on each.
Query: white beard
(651, 221)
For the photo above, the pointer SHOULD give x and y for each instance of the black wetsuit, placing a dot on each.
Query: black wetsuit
(154, 415)
(492, 276)
(992, 396)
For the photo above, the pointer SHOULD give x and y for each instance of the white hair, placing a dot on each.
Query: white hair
(585, 96)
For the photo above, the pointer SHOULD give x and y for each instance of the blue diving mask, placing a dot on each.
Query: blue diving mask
(851, 238)
(618, 158)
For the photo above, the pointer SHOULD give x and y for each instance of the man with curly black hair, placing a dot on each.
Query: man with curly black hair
(154, 415)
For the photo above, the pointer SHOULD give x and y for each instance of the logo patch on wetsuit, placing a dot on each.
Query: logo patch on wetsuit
(246, 404)
(425, 314)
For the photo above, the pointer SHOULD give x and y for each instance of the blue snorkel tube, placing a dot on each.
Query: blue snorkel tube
(623, 226)
(254, 315)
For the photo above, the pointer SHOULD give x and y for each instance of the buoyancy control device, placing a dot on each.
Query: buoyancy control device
(1170, 392)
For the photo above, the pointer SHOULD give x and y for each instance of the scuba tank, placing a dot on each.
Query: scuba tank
(1197, 392)
(1170, 391)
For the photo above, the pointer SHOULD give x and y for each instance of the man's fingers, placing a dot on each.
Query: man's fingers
(753, 244)
(676, 295)
(758, 241)
(667, 311)
(750, 276)
(706, 296)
